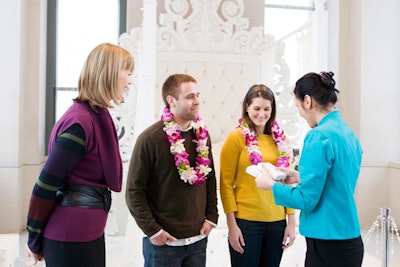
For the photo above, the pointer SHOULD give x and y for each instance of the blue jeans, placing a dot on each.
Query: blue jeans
(193, 255)
(263, 244)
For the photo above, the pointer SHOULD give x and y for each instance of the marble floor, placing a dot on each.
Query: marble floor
(124, 251)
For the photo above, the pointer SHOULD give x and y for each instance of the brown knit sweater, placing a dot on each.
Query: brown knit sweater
(156, 196)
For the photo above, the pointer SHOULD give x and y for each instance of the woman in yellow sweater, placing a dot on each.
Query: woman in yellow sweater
(258, 230)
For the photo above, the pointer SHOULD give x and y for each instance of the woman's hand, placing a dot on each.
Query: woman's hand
(293, 176)
(236, 240)
(264, 181)
(235, 236)
(289, 237)
(35, 257)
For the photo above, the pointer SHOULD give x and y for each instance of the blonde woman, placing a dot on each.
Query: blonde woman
(71, 199)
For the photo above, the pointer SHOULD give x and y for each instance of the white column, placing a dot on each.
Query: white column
(145, 113)
(145, 107)
(320, 36)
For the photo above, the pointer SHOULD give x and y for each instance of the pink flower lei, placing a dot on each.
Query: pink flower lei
(279, 137)
(198, 174)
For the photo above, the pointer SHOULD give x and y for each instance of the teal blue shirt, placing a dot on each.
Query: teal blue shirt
(329, 168)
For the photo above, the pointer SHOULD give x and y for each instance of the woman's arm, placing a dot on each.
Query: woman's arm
(290, 231)
(234, 233)
(68, 150)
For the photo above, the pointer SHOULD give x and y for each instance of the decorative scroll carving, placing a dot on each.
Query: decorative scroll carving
(123, 117)
(207, 39)
(209, 26)
(213, 29)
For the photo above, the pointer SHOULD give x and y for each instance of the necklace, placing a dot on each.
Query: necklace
(191, 175)
(279, 137)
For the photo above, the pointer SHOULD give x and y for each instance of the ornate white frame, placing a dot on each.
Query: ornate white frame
(212, 41)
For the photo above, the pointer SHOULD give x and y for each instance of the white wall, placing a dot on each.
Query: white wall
(369, 62)
(379, 108)
(380, 83)
(10, 21)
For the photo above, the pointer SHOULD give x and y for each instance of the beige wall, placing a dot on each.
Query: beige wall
(349, 68)
(394, 185)
(22, 73)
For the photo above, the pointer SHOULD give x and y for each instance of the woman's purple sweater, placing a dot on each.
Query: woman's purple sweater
(90, 159)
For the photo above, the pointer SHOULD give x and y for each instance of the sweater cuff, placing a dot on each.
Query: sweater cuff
(210, 222)
(156, 234)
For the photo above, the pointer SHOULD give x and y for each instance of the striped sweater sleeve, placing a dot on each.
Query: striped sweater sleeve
(68, 149)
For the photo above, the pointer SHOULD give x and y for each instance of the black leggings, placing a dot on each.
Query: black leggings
(334, 253)
(74, 254)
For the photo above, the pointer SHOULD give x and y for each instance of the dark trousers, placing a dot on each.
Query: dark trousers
(74, 254)
(193, 255)
(334, 253)
(263, 244)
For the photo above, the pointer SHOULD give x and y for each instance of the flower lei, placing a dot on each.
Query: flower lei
(279, 137)
(198, 174)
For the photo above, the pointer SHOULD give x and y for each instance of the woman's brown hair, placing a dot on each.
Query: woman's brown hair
(98, 81)
(259, 90)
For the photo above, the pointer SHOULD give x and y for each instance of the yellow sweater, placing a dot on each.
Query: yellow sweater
(239, 193)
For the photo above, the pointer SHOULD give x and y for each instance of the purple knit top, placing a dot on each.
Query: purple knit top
(100, 166)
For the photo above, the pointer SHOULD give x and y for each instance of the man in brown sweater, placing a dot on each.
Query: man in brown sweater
(171, 185)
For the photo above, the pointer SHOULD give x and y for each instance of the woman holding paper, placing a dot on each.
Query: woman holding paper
(328, 172)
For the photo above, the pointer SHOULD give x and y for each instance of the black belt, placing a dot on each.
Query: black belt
(84, 196)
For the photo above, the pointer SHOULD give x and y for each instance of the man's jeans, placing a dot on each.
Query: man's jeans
(193, 255)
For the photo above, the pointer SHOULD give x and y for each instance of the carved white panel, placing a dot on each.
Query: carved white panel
(209, 26)
(212, 41)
